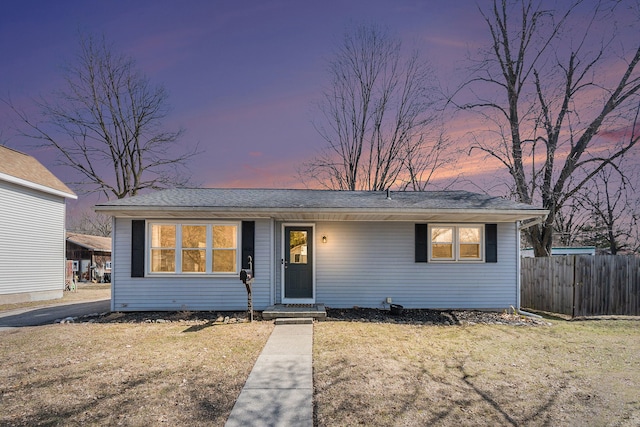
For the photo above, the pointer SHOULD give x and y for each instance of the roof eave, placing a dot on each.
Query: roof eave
(34, 186)
(88, 247)
(500, 215)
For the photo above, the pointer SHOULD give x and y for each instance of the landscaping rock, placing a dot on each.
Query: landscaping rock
(356, 314)
(431, 317)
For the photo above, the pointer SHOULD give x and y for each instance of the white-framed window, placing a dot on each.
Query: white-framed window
(193, 248)
(163, 248)
(456, 242)
(225, 248)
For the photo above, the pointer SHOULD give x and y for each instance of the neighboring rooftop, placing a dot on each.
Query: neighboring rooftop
(23, 169)
(318, 204)
(92, 243)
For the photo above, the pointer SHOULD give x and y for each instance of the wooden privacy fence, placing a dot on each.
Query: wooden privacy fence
(582, 285)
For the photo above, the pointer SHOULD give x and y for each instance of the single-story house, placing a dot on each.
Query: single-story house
(91, 256)
(32, 229)
(182, 249)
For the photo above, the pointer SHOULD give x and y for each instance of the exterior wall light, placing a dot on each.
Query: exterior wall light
(324, 239)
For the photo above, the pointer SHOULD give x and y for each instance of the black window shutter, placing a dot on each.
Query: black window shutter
(491, 242)
(422, 242)
(248, 243)
(137, 248)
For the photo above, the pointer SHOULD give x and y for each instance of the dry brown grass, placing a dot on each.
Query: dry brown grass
(126, 374)
(572, 373)
(84, 292)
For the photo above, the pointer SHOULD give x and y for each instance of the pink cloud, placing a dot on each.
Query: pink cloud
(274, 174)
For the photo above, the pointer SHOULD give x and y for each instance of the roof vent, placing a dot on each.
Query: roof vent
(388, 194)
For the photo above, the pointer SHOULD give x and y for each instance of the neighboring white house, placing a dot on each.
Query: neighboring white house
(562, 250)
(184, 248)
(32, 229)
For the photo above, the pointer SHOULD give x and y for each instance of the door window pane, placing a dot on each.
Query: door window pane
(298, 247)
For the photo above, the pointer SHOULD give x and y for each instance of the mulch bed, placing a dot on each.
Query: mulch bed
(189, 317)
(432, 317)
(408, 316)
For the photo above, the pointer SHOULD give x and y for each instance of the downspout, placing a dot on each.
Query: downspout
(64, 247)
(518, 265)
(113, 264)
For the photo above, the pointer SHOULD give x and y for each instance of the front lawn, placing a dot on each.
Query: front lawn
(571, 373)
(139, 374)
(365, 373)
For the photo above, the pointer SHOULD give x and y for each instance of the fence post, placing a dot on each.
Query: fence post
(575, 277)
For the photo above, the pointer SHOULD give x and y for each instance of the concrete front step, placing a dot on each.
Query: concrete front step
(281, 311)
(294, 321)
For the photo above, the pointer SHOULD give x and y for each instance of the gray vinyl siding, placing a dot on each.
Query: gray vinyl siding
(182, 292)
(363, 263)
(32, 239)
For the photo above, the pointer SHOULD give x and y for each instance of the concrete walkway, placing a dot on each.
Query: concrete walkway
(279, 390)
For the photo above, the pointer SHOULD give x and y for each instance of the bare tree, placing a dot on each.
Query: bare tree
(423, 161)
(608, 200)
(106, 125)
(91, 223)
(570, 223)
(555, 96)
(375, 115)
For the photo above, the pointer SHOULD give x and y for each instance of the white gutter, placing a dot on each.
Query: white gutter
(318, 214)
(34, 186)
(532, 223)
(146, 209)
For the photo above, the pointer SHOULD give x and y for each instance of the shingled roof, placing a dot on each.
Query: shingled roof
(92, 243)
(320, 205)
(23, 169)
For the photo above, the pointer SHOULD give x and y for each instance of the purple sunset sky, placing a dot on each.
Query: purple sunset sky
(242, 75)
